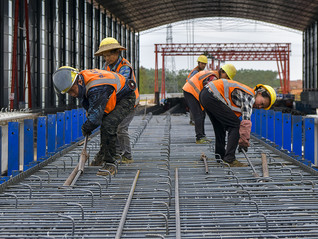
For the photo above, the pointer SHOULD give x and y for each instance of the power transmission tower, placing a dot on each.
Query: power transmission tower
(170, 63)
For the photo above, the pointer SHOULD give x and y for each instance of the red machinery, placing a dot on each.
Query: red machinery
(14, 80)
(278, 52)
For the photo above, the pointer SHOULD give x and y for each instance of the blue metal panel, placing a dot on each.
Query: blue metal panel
(258, 121)
(279, 128)
(74, 125)
(287, 130)
(0, 149)
(28, 143)
(264, 123)
(309, 140)
(297, 134)
(60, 129)
(68, 127)
(271, 125)
(41, 137)
(51, 133)
(253, 122)
(13, 147)
(80, 121)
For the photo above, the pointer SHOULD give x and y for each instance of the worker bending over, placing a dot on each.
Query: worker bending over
(191, 91)
(110, 49)
(225, 101)
(107, 104)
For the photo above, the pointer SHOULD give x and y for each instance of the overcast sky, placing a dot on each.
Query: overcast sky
(223, 30)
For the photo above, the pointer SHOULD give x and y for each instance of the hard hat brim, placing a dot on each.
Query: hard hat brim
(109, 47)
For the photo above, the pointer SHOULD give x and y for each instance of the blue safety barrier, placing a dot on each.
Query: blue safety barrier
(68, 127)
(287, 131)
(309, 139)
(263, 114)
(271, 125)
(54, 132)
(253, 119)
(80, 121)
(74, 125)
(51, 133)
(28, 143)
(0, 149)
(258, 122)
(13, 148)
(294, 134)
(297, 135)
(60, 131)
(41, 137)
(278, 129)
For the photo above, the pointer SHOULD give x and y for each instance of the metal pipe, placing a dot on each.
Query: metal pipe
(123, 217)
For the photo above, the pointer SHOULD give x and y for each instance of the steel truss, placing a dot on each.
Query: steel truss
(279, 52)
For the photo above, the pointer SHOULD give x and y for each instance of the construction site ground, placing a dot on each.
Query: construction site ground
(165, 193)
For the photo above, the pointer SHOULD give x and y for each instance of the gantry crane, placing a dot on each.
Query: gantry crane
(279, 52)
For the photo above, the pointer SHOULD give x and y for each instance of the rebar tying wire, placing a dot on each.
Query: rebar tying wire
(230, 203)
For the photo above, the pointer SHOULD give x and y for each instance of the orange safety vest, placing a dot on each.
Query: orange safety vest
(124, 62)
(195, 83)
(223, 88)
(96, 77)
(195, 69)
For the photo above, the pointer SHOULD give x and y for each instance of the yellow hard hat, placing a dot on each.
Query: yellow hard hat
(64, 78)
(230, 70)
(107, 44)
(271, 92)
(202, 59)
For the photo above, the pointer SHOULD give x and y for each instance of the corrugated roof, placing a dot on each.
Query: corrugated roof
(146, 14)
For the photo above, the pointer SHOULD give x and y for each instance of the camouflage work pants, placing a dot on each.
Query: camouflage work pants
(110, 122)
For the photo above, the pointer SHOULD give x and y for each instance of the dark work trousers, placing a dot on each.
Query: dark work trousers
(197, 113)
(110, 122)
(223, 119)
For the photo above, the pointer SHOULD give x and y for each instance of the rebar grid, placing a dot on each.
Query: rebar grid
(225, 203)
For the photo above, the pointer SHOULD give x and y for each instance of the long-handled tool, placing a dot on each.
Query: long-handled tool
(255, 174)
(79, 169)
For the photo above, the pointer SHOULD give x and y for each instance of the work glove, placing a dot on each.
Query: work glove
(245, 132)
(241, 148)
(86, 131)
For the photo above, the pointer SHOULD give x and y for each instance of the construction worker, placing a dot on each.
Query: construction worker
(202, 61)
(225, 101)
(191, 91)
(106, 104)
(110, 49)
(227, 71)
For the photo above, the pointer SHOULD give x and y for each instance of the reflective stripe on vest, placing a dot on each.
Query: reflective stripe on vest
(226, 87)
(122, 63)
(189, 76)
(115, 81)
(200, 78)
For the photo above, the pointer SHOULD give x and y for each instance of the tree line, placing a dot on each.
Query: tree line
(176, 79)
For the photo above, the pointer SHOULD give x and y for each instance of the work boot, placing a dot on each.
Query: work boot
(205, 138)
(108, 168)
(202, 141)
(237, 163)
(125, 160)
(98, 160)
